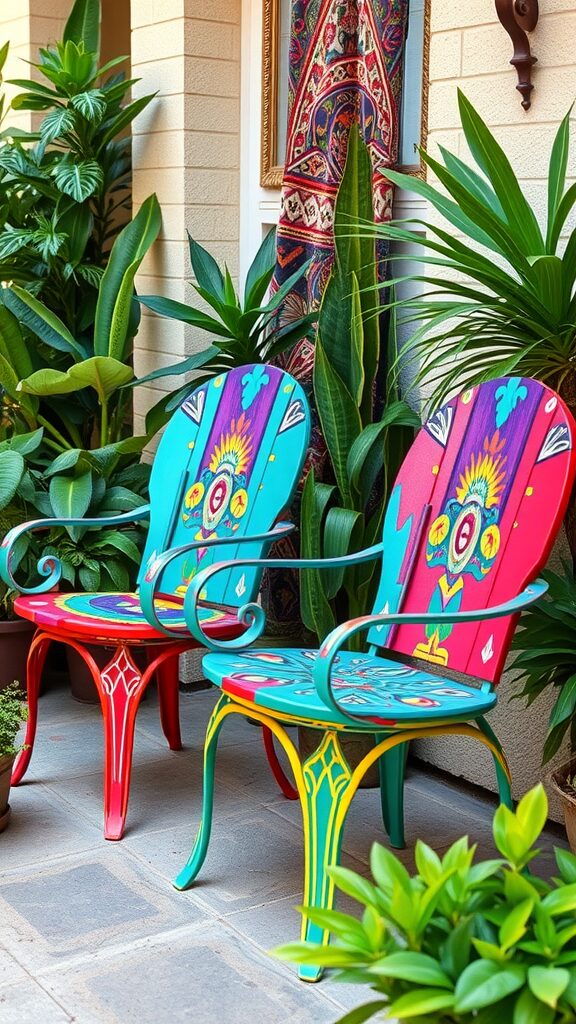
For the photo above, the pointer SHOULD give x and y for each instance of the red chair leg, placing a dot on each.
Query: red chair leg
(278, 772)
(168, 698)
(34, 668)
(120, 686)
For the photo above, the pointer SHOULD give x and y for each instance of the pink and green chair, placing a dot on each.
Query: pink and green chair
(472, 518)
(225, 469)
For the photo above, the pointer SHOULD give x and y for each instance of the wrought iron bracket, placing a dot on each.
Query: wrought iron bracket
(519, 17)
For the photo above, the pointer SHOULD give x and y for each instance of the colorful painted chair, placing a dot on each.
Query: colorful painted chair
(472, 518)
(225, 469)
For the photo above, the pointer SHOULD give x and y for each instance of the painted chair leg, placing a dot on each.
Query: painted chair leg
(200, 849)
(500, 764)
(168, 699)
(329, 788)
(392, 768)
(278, 772)
(34, 668)
(120, 686)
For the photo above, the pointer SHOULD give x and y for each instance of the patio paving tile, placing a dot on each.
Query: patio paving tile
(27, 1001)
(202, 975)
(76, 905)
(42, 825)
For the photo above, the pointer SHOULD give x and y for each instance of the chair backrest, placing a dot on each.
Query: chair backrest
(227, 465)
(472, 518)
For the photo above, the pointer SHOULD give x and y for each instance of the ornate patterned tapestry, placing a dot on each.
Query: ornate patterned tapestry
(345, 68)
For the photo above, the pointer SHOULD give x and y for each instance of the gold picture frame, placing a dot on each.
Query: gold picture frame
(271, 169)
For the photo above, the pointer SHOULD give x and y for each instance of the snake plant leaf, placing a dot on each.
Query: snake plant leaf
(117, 284)
(342, 534)
(102, 373)
(339, 417)
(31, 312)
(12, 468)
(83, 25)
(317, 614)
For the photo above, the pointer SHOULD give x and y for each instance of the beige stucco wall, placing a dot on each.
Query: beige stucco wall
(28, 24)
(470, 49)
(187, 150)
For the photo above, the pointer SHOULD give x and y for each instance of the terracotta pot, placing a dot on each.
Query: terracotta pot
(81, 682)
(355, 746)
(567, 794)
(15, 639)
(6, 764)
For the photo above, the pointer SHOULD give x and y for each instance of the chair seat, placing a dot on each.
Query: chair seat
(385, 692)
(117, 616)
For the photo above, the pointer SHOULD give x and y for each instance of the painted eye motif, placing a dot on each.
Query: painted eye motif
(465, 532)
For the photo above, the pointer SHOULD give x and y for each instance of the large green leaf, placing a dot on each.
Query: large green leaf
(57, 123)
(71, 495)
(91, 104)
(11, 471)
(484, 983)
(12, 345)
(117, 284)
(342, 534)
(103, 373)
(83, 25)
(206, 270)
(31, 312)
(78, 178)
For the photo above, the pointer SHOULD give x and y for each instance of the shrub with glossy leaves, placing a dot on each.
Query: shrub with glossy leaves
(484, 942)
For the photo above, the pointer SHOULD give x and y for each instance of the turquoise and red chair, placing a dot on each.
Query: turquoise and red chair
(472, 518)
(225, 469)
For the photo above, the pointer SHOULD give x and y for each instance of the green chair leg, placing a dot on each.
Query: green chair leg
(327, 784)
(392, 768)
(502, 775)
(189, 872)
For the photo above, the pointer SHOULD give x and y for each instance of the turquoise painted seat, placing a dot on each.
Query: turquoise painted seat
(378, 691)
(471, 519)
(224, 471)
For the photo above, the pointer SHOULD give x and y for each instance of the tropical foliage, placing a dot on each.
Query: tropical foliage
(546, 640)
(497, 292)
(13, 712)
(244, 328)
(459, 941)
(364, 453)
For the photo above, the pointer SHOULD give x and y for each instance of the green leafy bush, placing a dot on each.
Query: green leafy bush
(13, 712)
(244, 328)
(473, 943)
(546, 640)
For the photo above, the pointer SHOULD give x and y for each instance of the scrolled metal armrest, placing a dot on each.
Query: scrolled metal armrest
(148, 586)
(252, 615)
(336, 640)
(50, 566)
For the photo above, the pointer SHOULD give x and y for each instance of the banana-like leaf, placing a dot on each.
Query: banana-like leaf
(70, 497)
(31, 312)
(11, 472)
(102, 373)
(117, 284)
(12, 345)
(83, 25)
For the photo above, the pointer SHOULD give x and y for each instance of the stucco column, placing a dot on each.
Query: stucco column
(26, 25)
(186, 149)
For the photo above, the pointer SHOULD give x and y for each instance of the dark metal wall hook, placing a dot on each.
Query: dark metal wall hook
(519, 17)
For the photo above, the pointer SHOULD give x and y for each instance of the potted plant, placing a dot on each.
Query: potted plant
(546, 641)
(13, 712)
(459, 942)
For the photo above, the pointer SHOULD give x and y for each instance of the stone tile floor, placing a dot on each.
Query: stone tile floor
(93, 932)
